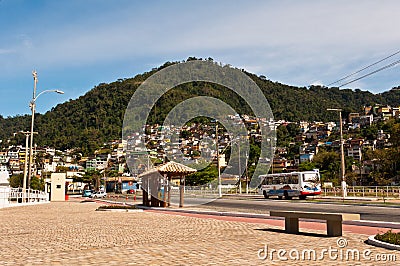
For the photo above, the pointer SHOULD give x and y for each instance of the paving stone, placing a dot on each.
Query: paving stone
(73, 233)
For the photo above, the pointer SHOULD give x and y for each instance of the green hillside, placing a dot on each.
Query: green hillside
(97, 116)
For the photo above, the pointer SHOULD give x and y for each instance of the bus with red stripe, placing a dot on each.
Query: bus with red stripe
(288, 185)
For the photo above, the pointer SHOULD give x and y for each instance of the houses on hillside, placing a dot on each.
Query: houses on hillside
(196, 140)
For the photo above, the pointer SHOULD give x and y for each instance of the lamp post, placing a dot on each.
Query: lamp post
(32, 105)
(344, 185)
(26, 133)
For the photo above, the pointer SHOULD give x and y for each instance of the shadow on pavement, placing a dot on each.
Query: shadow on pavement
(300, 233)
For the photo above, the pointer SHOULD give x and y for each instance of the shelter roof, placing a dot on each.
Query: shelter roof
(170, 168)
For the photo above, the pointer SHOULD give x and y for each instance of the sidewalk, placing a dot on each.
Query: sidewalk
(73, 233)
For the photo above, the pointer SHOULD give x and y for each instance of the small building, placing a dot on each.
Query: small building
(58, 186)
(308, 157)
(352, 116)
(355, 149)
(366, 120)
(279, 165)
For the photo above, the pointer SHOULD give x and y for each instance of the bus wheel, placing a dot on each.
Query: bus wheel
(287, 195)
(302, 197)
(279, 197)
(265, 194)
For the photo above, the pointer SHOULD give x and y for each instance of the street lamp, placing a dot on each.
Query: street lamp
(344, 185)
(32, 105)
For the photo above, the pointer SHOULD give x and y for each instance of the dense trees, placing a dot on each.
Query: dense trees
(202, 177)
(96, 117)
(16, 181)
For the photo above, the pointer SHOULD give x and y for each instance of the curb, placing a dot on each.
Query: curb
(392, 225)
(119, 210)
(372, 241)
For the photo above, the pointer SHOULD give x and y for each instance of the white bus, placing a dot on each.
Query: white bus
(288, 185)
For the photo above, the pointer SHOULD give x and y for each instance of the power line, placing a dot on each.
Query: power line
(364, 68)
(373, 72)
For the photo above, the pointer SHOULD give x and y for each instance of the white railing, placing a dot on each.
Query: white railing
(385, 192)
(206, 191)
(15, 196)
(365, 191)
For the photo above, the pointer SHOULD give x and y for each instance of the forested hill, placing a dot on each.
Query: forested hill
(96, 117)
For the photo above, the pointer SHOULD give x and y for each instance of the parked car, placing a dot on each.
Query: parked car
(98, 194)
(86, 193)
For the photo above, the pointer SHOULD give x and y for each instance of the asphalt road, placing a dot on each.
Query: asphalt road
(372, 213)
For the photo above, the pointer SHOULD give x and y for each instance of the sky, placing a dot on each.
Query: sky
(76, 45)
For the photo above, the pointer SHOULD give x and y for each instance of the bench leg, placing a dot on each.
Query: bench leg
(334, 228)
(292, 225)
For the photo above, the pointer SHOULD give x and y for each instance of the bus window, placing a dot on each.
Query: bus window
(267, 180)
(293, 179)
(276, 181)
(310, 177)
(264, 181)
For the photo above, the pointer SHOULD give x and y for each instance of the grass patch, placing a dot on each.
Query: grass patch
(117, 207)
(389, 237)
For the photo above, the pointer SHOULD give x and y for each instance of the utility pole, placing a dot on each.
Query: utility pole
(240, 170)
(343, 169)
(247, 176)
(218, 166)
(272, 154)
(344, 185)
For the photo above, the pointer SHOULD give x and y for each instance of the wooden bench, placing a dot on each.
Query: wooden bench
(333, 220)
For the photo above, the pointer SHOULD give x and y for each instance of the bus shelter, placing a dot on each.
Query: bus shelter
(157, 183)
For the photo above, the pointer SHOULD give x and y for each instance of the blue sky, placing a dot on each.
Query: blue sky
(75, 45)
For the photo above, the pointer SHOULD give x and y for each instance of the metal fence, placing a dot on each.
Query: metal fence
(352, 191)
(385, 192)
(13, 196)
(364, 191)
(212, 191)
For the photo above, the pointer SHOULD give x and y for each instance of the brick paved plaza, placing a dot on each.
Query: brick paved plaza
(73, 233)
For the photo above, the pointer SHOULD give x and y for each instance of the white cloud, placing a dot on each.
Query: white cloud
(6, 51)
(296, 42)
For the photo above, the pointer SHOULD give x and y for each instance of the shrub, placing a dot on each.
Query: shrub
(389, 237)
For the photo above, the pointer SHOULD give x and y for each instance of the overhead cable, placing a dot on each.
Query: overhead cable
(370, 73)
(364, 68)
